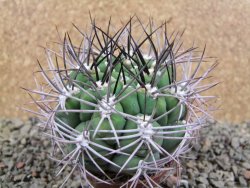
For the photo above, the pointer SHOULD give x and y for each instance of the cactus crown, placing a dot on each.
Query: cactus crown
(124, 105)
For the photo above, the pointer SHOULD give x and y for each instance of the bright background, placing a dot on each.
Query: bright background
(224, 26)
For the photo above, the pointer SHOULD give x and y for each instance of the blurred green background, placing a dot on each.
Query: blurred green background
(224, 26)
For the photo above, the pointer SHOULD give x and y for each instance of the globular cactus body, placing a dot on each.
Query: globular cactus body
(120, 112)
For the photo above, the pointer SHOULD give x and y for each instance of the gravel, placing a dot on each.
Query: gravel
(220, 158)
(23, 158)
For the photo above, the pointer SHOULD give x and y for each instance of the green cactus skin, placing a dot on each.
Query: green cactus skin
(146, 102)
(90, 166)
(121, 159)
(170, 145)
(151, 158)
(130, 104)
(143, 151)
(84, 126)
(165, 78)
(132, 164)
(102, 63)
(70, 118)
(161, 108)
(88, 98)
(119, 107)
(178, 112)
(117, 120)
(72, 103)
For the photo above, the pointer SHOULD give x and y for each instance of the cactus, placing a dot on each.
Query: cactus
(121, 108)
